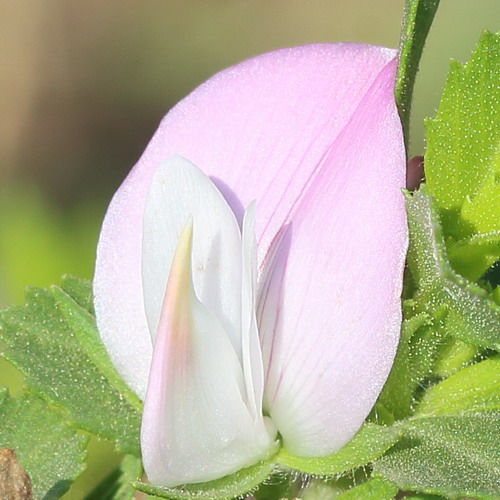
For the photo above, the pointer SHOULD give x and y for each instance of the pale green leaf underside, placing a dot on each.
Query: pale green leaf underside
(447, 455)
(48, 449)
(52, 340)
(473, 389)
(225, 488)
(368, 444)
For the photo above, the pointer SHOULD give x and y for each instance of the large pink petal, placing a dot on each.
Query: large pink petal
(261, 130)
(330, 332)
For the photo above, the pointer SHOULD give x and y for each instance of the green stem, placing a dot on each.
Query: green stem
(417, 21)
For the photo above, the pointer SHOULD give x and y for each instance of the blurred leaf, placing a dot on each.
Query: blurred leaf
(280, 484)
(469, 314)
(43, 339)
(475, 388)
(454, 456)
(316, 489)
(373, 489)
(462, 161)
(417, 21)
(225, 488)
(39, 242)
(495, 295)
(50, 451)
(369, 443)
(423, 496)
(118, 485)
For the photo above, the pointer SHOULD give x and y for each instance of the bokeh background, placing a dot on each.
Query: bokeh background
(83, 86)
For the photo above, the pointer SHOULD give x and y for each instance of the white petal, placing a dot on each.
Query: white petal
(196, 425)
(251, 351)
(178, 190)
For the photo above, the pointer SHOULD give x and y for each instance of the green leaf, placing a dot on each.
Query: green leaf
(423, 496)
(75, 301)
(48, 449)
(417, 21)
(454, 456)
(80, 291)
(462, 161)
(417, 351)
(82, 324)
(471, 256)
(475, 388)
(225, 488)
(454, 356)
(118, 485)
(51, 340)
(469, 314)
(373, 489)
(368, 444)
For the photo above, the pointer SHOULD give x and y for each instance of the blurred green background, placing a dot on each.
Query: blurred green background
(84, 84)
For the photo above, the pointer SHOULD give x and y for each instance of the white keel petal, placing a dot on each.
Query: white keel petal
(178, 190)
(251, 351)
(196, 424)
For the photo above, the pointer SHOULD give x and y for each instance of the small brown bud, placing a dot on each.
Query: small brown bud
(414, 172)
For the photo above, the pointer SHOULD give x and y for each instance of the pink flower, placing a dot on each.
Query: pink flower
(283, 331)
